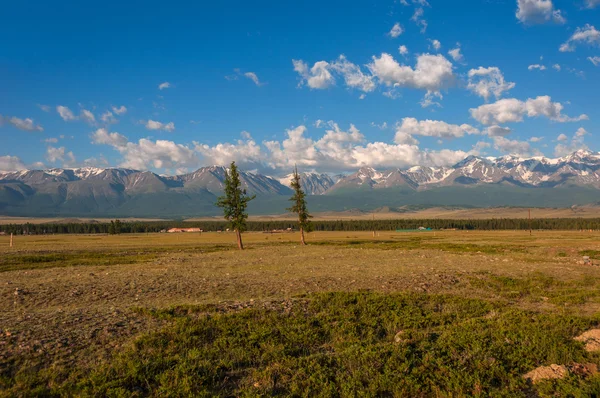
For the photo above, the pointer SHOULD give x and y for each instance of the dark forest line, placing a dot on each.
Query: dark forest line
(342, 225)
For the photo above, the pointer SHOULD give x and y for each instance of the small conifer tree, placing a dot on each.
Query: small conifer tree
(234, 203)
(299, 206)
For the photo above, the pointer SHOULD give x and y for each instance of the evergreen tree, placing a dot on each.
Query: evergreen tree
(117, 226)
(299, 206)
(111, 228)
(234, 203)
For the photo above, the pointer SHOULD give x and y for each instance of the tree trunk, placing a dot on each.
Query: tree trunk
(302, 236)
(238, 235)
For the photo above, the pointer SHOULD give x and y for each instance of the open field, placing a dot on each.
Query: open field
(441, 213)
(448, 313)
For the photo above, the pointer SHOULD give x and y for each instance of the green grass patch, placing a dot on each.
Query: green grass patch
(341, 345)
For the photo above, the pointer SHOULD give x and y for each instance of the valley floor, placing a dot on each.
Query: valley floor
(399, 314)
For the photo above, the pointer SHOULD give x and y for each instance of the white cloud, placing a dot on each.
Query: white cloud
(119, 110)
(403, 50)
(536, 139)
(486, 82)
(65, 113)
(164, 85)
(456, 55)
(536, 66)
(514, 110)
(436, 44)
(252, 76)
(154, 125)
(565, 147)
(402, 138)
(60, 154)
(556, 67)
(595, 60)
(419, 20)
(513, 147)
(245, 152)
(11, 163)
(382, 126)
(497, 131)
(108, 117)
(396, 30)
(102, 136)
(51, 140)
(353, 75)
(434, 128)
(22, 124)
(432, 72)
(538, 11)
(87, 117)
(587, 35)
(318, 77)
(45, 108)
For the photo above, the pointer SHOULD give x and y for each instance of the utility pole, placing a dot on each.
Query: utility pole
(373, 224)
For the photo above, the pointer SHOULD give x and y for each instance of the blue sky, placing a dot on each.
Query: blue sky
(171, 86)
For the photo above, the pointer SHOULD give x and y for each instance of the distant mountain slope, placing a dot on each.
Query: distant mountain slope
(475, 181)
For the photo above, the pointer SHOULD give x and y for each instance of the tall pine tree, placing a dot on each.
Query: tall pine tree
(234, 203)
(299, 205)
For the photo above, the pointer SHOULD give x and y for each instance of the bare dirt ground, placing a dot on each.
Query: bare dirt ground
(66, 310)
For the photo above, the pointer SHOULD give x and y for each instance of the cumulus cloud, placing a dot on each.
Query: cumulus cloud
(317, 77)
(513, 147)
(536, 66)
(456, 55)
(60, 154)
(396, 30)
(353, 75)
(536, 139)
(566, 147)
(65, 113)
(108, 117)
(556, 67)
(432, 72)
(11, 163)
(436, 44)
(154, 125)
(434, 128)
(87, 117)
(538, 11)
(595, 60)
(121, 110)
(102, 136)
(403, 50)
(22, 124)
(164, 85)
(497, 131)
(486, 82)
(514, 110)
(586, 35)
(45, 108)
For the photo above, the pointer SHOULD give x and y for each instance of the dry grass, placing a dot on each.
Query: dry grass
(67, 298)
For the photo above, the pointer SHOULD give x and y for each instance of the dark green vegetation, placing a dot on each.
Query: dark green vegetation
(573, 224)
(338, 344)
(299, 206)
(234, 203)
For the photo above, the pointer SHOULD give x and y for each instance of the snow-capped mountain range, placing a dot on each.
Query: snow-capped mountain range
(579, 168)
(502, 181)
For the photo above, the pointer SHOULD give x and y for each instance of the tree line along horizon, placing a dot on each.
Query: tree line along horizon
(235, 200)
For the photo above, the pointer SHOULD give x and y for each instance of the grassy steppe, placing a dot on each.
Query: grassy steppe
(419, 314)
